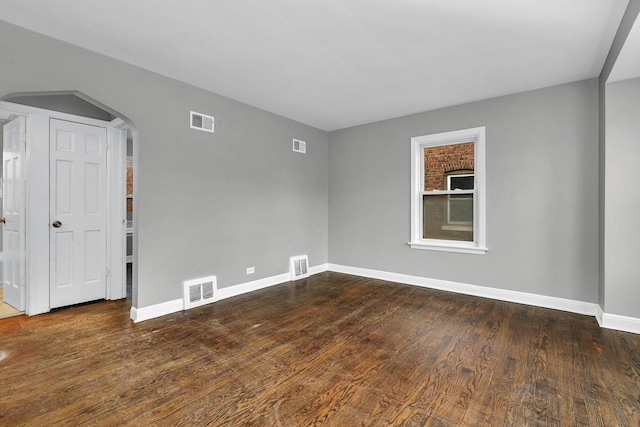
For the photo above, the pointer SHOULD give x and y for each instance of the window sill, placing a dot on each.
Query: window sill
(464, 249)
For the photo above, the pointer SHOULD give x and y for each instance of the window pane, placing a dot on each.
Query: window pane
(129, 179)
(461, 209)
(129, 244)
(461, 182)
(129, 212)
(448, 217)
(445, 160)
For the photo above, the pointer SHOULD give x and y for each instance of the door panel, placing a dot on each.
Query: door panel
(64, 178)
(92, 256)
(64, 261)
(13, 186)
(78, 201)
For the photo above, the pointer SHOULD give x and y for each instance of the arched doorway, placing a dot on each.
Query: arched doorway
(57, 252)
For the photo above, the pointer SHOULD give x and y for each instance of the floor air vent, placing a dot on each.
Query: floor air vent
(200, 291)
(299, 267)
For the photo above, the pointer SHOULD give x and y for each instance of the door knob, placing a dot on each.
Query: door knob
(3, 220)
(56, 224)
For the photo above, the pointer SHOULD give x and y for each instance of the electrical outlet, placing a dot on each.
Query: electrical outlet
(251, 270)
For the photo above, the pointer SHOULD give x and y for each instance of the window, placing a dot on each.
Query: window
(447, 191)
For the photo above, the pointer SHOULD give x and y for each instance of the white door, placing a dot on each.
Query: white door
(13, 206)
(78, 213)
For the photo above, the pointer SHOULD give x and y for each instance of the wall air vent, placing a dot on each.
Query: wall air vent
(202, 122)
(299, 267)
(198, 292)
(299, 146)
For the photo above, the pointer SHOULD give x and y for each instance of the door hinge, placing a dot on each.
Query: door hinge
(106, 272)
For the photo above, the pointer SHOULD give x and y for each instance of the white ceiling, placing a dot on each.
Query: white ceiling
(627, 64)
(338, 63)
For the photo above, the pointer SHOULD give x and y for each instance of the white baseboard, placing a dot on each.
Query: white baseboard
(605, 320)
(162, 309)
(620, 323)
(599, 315)
(608, 321)
(318, 269)
(244, 288)
(255, 285)
(157, 310)
(572, 306)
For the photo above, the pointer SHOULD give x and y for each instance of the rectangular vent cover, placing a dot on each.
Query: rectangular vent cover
(299, 146)
(299, 267)
(202, 122)
(201, 291)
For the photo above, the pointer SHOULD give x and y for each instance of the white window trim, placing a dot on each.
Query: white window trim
(418, 143)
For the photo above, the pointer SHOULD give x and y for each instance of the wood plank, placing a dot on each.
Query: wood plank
(333, 349)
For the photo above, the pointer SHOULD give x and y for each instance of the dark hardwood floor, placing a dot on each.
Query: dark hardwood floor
(333, 350)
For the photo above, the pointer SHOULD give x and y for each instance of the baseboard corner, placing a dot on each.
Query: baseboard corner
(157, 310)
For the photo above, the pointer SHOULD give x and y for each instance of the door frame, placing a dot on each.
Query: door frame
(36, 167)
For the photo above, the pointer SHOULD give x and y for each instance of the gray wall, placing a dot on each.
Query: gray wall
(216, 204)
(622, 208)
(70, 104)
(205, 203)
(627, 23)
(542, 194)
